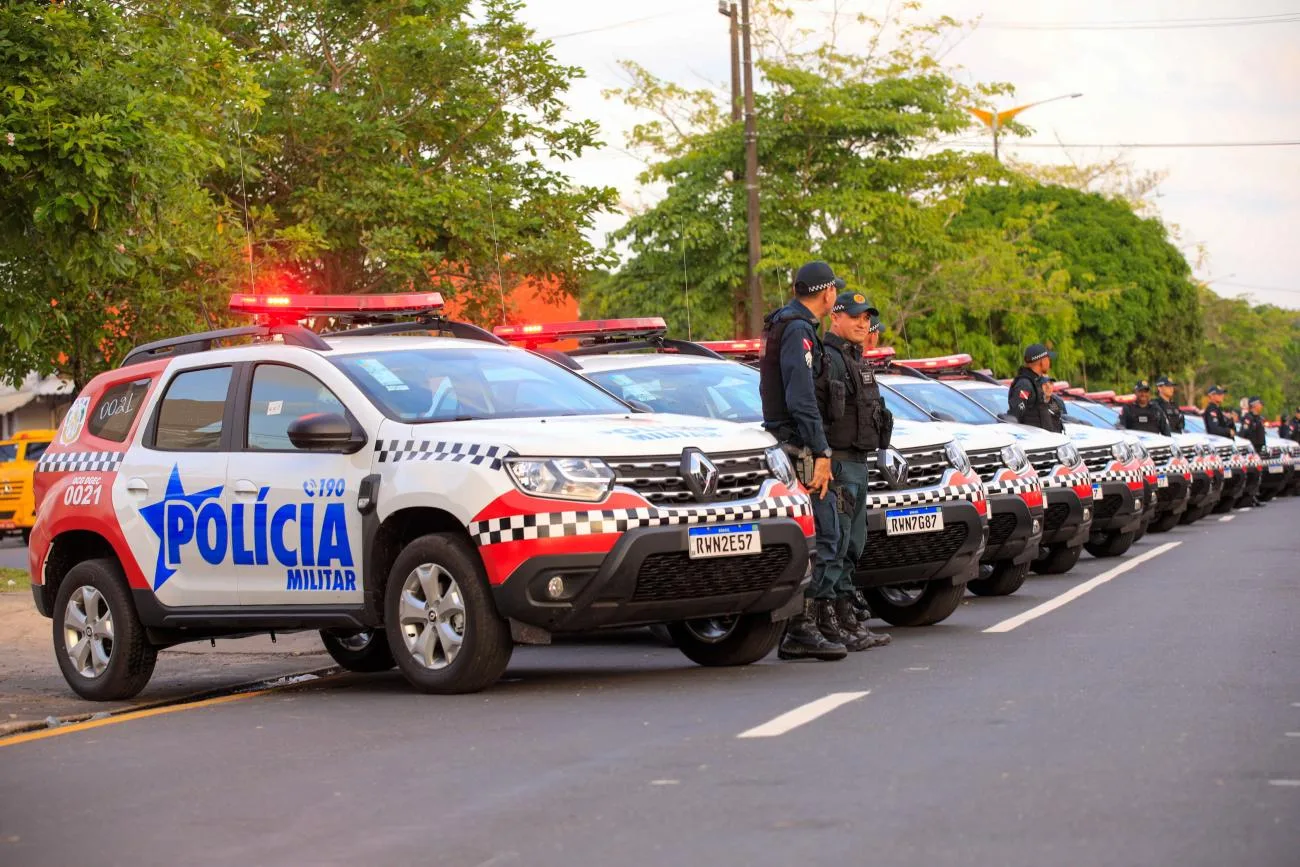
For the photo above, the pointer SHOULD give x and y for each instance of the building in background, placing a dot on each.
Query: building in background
(35, 403)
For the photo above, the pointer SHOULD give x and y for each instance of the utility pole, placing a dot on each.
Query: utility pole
(751, 182)
(738, 321)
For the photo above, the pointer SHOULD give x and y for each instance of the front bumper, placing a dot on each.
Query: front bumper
(951, 553)
(647, 577)
(1068, 519)
(1173, 499)
(1275, 478)
(1234, 484)
(1015, 530)
(1117, 508)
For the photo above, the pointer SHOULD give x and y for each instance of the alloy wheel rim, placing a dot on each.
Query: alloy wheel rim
(431, 615)
(356, 642)
(711, 630)
(903, 594)
(88, 632)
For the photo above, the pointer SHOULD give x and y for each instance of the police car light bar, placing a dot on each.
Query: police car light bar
(1061, 385)
(879, 355)
(294, 307)
(752, 346)
(1076, 392)
(1126, 398)
(950, 363)
(604, 329)
(1100, 396)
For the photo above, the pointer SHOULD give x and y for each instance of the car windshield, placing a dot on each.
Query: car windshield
(1194, 423)
(903, 408)
(993, 398)
(1107, 414)
(8, 452)
(424, 385)
(936, 398)
(725, 391)
(1088, 412)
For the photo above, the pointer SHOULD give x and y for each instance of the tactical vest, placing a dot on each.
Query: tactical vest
(1037, 414)
(1172, 413)
(771, 385)
(1142, 417)
(850, 401)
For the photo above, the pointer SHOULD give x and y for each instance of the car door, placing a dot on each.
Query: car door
(170, 494)
(299, 528)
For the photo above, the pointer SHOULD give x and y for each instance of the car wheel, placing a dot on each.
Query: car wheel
(1112, 544)
(1165, 522)
(98, 640)
(27, 536)
(1224, 506)
(1006, 579)
(1191, 516)
(442, 627)
(1059, 560)
(727, 641)
(366, 651)
(662, 634)
(915, 604)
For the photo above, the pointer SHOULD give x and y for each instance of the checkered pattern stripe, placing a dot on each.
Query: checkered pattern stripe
(925, 496)
(79, 462)
(552, 525)
(1125, 476)
(1013, 486)
(1069, 480)
(406, 451)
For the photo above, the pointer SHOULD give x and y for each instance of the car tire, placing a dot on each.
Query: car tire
(1112, 544)
(719, 642)
(661, 633)
(442, 626)
(903, 606)
(1006, 579)
(1191, 516)
(365, 652)
(27, 536)
(1224, 506)
(1165, 522)
(99, 643)
(1059, 560)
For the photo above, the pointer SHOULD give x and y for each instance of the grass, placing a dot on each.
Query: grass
(22, 582)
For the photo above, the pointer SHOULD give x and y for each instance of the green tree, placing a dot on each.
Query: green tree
(1251, 351)
(111, 120)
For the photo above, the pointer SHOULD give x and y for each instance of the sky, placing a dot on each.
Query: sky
(1187, 84)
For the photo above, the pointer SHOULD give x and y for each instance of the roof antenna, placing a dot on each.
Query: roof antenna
(496, 247)
(686, 284)
(243, 192)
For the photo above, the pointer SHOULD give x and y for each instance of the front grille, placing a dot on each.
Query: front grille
(1108, 507)
(671, 576)
(1226, 452)
(1054, 517)
(1161, 455)
(1200, 485)
(5, 516)
(1243, 450)
(1000, 529)
(1273, 451)
(986, 464)
(1044, 460)
(1165, 495)
(659, 479)
(1097, 458)
(925, 469)
(888, 552)
(14, 492)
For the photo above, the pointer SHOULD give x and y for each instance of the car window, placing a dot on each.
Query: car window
(190, 414)
(115, 412)
(1195, 424)
(279, 396)
(992, 399)
(725, 391)
(34, 451)
(1087, 413)
(903, 408)
(420, 385)
(935, 397)
(8, 452)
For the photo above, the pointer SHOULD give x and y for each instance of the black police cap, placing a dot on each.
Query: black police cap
(816, 277)
(1164, 380)
(1216, 389)
(1035, 351)
(1143, 385)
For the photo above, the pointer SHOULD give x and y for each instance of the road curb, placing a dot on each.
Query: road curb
(17, 727)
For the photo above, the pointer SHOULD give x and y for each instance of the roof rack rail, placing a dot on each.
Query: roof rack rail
(463, 330)
(294, 335)
(659, 344)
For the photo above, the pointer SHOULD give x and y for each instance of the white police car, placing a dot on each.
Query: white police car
(423, 501)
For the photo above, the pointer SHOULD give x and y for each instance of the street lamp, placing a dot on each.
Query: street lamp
(995, 119)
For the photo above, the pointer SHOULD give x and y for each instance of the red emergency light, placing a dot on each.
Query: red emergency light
(750, 347)
(606, 329)
(293, 307)
(1126, 398)
(1101, 396)
(1076, 392)
(879, 355)
(947, 363)
(1061, 385)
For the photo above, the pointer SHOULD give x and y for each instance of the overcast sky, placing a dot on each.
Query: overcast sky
(1191, 84)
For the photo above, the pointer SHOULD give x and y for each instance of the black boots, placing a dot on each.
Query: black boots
(804, 639)
(856, 634)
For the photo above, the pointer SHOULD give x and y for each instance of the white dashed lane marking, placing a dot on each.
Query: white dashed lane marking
(1287, 784)
(1226, 518)
(1075, 592)
(802, 715)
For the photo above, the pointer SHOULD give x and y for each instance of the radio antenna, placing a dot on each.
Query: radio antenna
(686, 284)
(243, 192)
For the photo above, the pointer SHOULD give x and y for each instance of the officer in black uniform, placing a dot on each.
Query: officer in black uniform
(1289, 429)
(1142, 414)
(1165, 403)
(1252, 429)
(857, 426)
(1026, 400)
(792, 360)
(1055, 406)
(875, 333)
(1217, 421)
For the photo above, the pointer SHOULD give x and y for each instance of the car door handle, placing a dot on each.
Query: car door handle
(137, 486)
(245, 488)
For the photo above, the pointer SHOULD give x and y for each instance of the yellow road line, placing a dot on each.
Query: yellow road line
(73, 728)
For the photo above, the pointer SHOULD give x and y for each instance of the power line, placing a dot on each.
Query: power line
(1255, 288)
(614, 26)
(967, 143)
(1156, 24)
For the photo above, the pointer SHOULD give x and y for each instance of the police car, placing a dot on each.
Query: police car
(926, 530)
(424, 501)
(1278, 466)
(1232, 466)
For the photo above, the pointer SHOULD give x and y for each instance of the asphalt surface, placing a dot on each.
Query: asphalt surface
(13, 553)
(1148, 722)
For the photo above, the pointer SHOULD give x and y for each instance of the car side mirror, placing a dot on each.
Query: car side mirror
(326, 432)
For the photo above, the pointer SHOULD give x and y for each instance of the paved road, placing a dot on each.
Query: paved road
(13, 553)
(1145, 722)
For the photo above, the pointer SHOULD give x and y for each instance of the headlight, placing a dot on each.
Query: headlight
(585, 479)
(1119, 452)
(1068, 455)
(1141, 450)
(957, 457)
(1174, 451)
(1015, 458)
(779, 463)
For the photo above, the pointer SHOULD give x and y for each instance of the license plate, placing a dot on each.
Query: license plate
(1162, 481)
(8, 525)
(1227, 474)
(723, 540)
(904, 522)
(1096, 492)
(1275, 469)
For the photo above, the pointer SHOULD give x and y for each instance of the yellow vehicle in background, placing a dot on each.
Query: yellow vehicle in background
(18, 458)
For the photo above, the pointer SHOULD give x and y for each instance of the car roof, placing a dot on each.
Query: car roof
(645, 359)
(340, 347)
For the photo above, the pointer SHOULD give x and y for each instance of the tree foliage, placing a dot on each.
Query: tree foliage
(1251, 351)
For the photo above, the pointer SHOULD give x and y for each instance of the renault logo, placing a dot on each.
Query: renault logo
(893, 467)
(700, 474)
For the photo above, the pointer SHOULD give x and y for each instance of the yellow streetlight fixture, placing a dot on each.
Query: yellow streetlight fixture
(995, 120)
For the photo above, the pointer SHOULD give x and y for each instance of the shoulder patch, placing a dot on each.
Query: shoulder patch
(1024, 395)
(807, 345)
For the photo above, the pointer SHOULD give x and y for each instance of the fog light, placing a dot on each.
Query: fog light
(555, 587)
(1087, 514)
(1038, 527)
(1137, 504)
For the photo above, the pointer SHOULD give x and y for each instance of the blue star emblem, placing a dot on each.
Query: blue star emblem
(156, 517)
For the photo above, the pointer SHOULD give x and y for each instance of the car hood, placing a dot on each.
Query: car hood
(972, 437)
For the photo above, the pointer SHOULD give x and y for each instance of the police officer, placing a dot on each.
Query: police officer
(857, 425)
(874, 333)
(1217, 421)
(792, 360)
(1055, 406)
(1142, 414)
(1252, 425)
(1289, 429)
(1026, 399)
(1165, 403)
